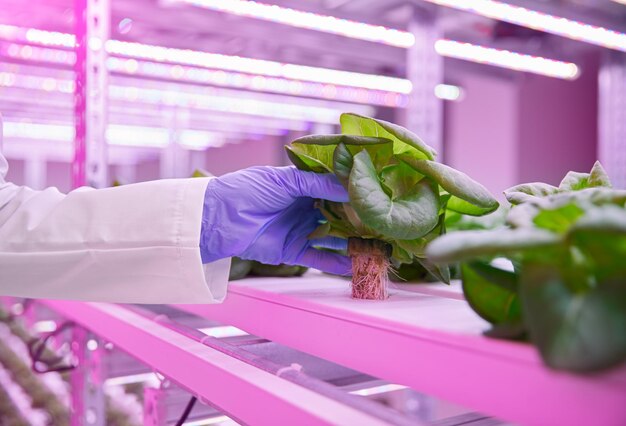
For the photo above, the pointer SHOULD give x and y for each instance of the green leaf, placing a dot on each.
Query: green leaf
(199, 173)
(440, 272)
(409, 272)
(463, 245)
(404, 141)
(522, 215)
(282, 270)
(353, 218)
(573, 331)
(380, 150)
(508, 331)
(407, 217)
(400, 179)
(597, 196)
(331, 140)
(528, 191)
(239, 268)
(598, 176)
(459, 222)
(560, 219)
(342, 164)
(416, 247)
(334, 213)
(320, 232)
(459, 205)
(306, 162)
(456, 183)
(315, 152)
(399, 254)
(601, 236)
(574, 181)
(491, 292)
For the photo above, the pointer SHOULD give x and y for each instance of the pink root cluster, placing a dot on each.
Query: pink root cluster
(370, 269)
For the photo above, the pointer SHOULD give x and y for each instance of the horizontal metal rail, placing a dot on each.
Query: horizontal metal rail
(237, 388)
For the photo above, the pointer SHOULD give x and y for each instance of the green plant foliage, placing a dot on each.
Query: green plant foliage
(573, 181)
(492, 292)
(568, 288)
(398, 193)
(241, 268)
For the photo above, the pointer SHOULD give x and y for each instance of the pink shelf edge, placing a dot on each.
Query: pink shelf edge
(504, 379)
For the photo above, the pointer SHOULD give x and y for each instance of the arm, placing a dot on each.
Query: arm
(136, 243)
(146, 243)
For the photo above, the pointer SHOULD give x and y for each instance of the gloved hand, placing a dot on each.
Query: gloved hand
(266, 213)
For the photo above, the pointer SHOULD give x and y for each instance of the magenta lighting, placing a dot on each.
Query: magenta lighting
(507, 59)
(308, 20)
(491, 9)
(215, 69)
(540, 21)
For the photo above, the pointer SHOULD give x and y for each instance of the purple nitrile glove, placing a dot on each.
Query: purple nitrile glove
(266, 213)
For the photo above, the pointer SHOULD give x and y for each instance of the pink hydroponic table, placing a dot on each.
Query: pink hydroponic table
(426, 338)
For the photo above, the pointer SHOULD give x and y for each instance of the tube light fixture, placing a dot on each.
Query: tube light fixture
(217, 61)
(212, 421)
(308, 20)
(50, 132)
(507, 59)
(620, 1)
(257, 83)
(260, 67)
(378, 390)
(448, 92)
(222, 78)
(540, 21)
(222, 331)
(44, 326)
(150, 379)
(285, 113)
(116, 134)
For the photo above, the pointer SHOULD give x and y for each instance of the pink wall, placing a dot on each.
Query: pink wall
(231, 157)
(59, 175)
(559, 125)
(481, 130)
(16, 172)
(512, 127)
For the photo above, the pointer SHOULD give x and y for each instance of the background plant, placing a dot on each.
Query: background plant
(566, 291)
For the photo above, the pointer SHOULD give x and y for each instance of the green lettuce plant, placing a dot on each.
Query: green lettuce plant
(566, 291)
(399, 197)
(242, 268)
(415, 273)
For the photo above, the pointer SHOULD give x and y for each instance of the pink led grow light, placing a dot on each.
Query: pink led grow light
(540, 21)
(507, 59)
(308, 20)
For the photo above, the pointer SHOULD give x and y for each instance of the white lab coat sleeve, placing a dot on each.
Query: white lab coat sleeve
(131, 244)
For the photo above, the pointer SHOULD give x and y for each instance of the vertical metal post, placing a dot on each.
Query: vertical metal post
(154, 409)
(35, 170)
(424, 113)
(89, 166)
(612, 116)
(87, 380)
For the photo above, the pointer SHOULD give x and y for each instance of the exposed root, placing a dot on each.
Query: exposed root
(370, 268)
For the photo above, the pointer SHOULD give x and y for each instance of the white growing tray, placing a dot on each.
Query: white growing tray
(427, 338)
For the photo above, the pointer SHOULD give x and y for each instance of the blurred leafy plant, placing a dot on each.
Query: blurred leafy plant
(241, 268)
(566, 290)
